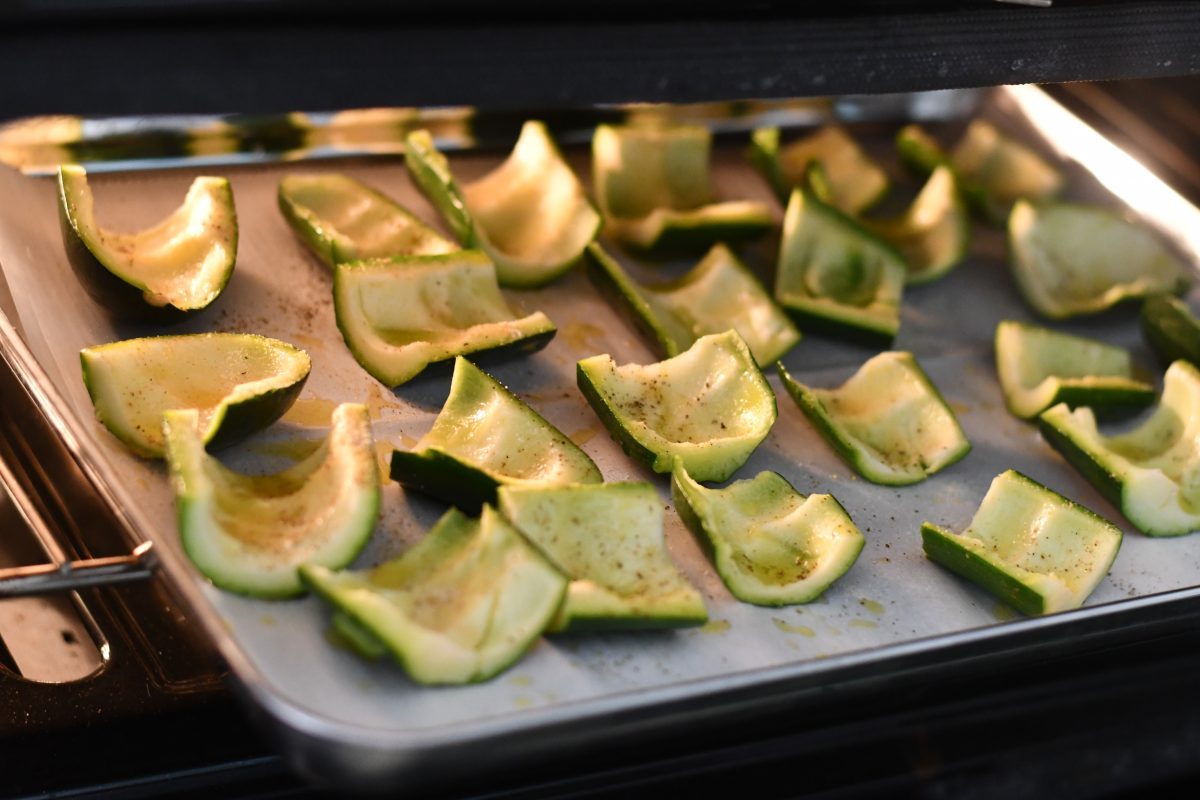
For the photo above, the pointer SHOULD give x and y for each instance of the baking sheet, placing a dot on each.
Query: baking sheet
(893, 595)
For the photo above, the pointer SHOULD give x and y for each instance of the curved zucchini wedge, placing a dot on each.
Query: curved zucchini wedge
(717, 295)
(709, 406)
(530, 214)
(1029, 546)
(180, 265)
(239, 383)
(400, 315)
(1151, 473)
(652, 184)
(1171, 329)
(250, 533)
(888, 421)
(1039, 368)
(771, 545)
(834, 277)
(608, 539)
(461, 606)
(855, 182)
(1073, 259)
(341, 219)
(933, 235)
(993, 171)
(484, 438)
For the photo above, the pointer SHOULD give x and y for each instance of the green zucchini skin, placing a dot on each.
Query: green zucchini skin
(1170, 329)
(940, 548)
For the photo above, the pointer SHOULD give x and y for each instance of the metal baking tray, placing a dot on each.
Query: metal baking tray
(895, 616)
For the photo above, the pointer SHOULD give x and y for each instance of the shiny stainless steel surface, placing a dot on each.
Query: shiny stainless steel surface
(894, 614)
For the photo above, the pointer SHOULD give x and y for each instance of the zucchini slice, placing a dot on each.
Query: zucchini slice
(993, 170)
(484, 438)
(834, 276)
(1072, 259)
(888, 421)
(400, 315)
(250, 533)
(1039, 368)
(1151, 473)
(608, 539)
(855, 181)
(1029, 546)
(341, 219)
(180, 265)
(652, 184)
(771, 545)
(709, 406)
(717, 295)
(238, 382)
(1171, 329)
(530, 214)
(461, 606)
(933, 235)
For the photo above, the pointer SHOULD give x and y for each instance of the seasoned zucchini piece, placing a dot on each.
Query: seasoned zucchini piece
(180, 265)
(771, 545)
(934, 233)
(1039, 368)
(608, 539)
(1151, 473)
(398, 316)
(1171, 328)
(888, 421)
(238, 382)
(460, 607)
(836, 278)
(855, 181)
(1029, 546)
(652, 184)
(1072, 259)
(993, 170)
(250, 533)
(709, 406)
(342, 219)
(484, 438)
(530, 215)
(717, 295)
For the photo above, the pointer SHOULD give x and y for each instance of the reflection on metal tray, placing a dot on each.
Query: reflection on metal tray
(38, 144)
(893, 617)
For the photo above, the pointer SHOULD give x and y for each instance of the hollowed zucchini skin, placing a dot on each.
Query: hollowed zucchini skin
(121, 299)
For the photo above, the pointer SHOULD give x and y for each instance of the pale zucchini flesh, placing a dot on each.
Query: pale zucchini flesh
(933, 234)
(486, 437)
(238, 383)
(461, 606)
(398, 316)
(530, 214)
(342, 219)
(1074, 259)
(771, 545)
(182, 263)
(653, 186)
(717, 295)
(1039, 368)
(1029, 546)
(834, 277)
(1152, 473)
(1001, 170)
(251, 533)
(709, 406)
(608, 539)
(888, 421)
(855, 182)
